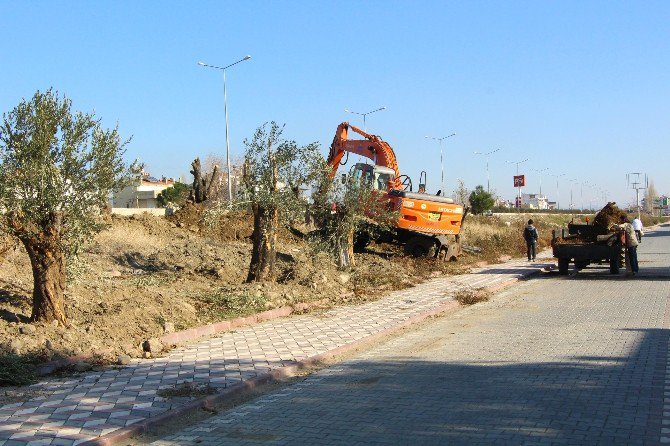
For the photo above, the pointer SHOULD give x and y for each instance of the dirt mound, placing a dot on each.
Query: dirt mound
(221, 225)
(187, 216)
(606, 217)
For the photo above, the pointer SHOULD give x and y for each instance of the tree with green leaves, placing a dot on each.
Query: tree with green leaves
(480, 200)
(348, 212)
(175, 194)
(274, 172)
(57, 169)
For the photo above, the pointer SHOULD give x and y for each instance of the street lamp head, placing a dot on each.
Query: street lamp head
(202, 63)
(247, 57)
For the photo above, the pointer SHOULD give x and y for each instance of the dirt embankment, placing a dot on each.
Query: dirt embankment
(146, 276)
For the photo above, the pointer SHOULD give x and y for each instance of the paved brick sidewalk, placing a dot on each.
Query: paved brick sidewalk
(72, 411)
(559, 360)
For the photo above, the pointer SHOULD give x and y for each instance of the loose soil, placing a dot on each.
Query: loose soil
(146, 275)
(607, 217)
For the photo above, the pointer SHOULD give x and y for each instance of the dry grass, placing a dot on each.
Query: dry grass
(498, 236)
(187, 390)
(471, 297)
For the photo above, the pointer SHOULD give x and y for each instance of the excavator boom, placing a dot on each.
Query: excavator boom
(372, 147)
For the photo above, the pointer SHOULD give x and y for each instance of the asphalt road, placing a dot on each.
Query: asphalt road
(578, 359)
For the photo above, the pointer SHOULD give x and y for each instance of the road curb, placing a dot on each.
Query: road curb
(287, 371)
(194, 333)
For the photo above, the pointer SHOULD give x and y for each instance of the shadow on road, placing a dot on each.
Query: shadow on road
(585, 400)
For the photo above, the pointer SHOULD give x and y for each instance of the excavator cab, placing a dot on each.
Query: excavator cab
(377, 177)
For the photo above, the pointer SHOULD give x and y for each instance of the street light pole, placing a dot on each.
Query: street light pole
(441, 158)
(558, 203)
(225, 111)
(365, 128)
(488, 177)
(572, 181)
(540, 172)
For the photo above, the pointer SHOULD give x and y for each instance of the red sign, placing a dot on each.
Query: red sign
(519, 180)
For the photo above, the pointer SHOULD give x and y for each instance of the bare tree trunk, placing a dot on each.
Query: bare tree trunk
(264, 238)
(48, 263)
(196, 171)
(212, 183)
(345, 251)
(204, 187)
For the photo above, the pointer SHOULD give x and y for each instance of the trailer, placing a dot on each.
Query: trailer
(574, 247)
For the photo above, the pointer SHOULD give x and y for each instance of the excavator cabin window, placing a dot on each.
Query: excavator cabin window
(377, 177)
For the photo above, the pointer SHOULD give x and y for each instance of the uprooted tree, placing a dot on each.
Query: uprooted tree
(57, 169)
(274, 171)
(349, 212)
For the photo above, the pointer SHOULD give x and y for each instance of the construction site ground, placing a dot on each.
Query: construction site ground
(146, 276)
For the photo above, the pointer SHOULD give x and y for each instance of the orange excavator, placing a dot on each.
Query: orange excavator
(428, 225)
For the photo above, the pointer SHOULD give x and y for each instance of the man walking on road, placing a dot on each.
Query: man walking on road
(637, 226)
(530, 235)
(631, 243)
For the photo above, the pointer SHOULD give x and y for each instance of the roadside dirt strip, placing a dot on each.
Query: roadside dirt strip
(110, 405)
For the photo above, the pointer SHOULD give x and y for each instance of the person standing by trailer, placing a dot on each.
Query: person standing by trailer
(637, 227)
(631, 242)
(530, 235)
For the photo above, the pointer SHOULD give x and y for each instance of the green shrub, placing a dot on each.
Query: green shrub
(16, 370)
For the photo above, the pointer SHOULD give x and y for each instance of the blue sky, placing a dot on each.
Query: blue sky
(581, 88)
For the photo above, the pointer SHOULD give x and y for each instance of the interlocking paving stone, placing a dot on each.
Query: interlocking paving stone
(561, 360)
(82, 408)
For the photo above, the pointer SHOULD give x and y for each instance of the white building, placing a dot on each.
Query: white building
(502, 203)
(535, 201)
(143, 193)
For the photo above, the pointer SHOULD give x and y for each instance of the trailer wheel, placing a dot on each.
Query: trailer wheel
(563, 265)
(614, 265)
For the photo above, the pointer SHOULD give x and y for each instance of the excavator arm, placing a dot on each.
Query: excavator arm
(372, 147)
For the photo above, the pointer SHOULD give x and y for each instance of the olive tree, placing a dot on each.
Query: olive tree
(349, 213)
(274, 171)
(57, 168)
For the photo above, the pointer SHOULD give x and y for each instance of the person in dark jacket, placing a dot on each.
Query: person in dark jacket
(530, 235)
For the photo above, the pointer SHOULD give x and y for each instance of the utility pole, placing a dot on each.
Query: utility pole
(633, 179)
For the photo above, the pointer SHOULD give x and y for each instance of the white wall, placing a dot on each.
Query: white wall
(159, 212)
